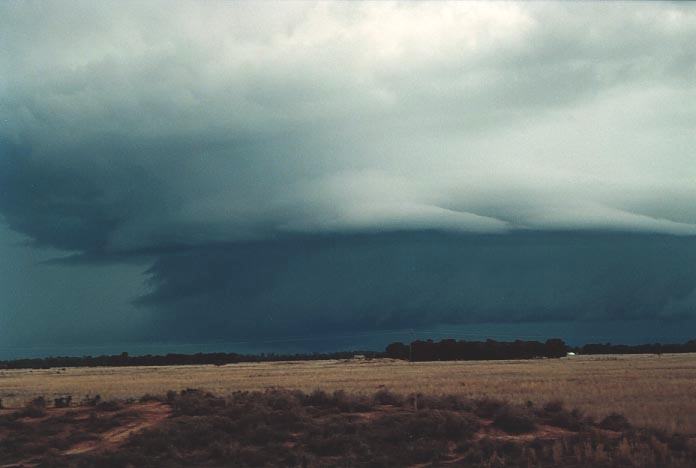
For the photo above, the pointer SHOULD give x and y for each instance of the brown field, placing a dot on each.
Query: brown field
(651, 391)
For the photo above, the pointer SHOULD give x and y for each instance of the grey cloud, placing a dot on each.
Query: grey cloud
(218, 131)
(200, 135)
(412, 280)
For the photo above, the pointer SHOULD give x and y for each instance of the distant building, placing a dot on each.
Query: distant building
(359, 356)
(570, 353)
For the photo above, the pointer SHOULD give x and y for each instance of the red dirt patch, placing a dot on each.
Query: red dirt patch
(149, 415)
(543, 432)
(63, 424)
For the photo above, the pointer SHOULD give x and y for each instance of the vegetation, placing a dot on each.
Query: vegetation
(444, 350)
(452, 350)
(655, 348)
(173, 359)
(514, 420)
(280, 427)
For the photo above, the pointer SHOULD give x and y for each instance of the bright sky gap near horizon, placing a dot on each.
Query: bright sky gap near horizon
(239, 175)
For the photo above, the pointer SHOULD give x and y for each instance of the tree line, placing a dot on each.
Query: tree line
(656, 348)
(419, 350)
(452, 350)
(173, 359)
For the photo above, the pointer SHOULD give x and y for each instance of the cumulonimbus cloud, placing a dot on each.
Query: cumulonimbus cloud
(150, 127)
(185, 125)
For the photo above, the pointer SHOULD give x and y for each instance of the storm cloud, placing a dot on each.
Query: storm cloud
(280, 167)
(414, 280)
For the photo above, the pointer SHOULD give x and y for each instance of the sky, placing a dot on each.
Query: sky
(310, 176)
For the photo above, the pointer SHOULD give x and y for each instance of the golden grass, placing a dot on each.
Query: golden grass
(649, 390)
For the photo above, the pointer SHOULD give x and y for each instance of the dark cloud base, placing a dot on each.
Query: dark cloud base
(575, 333)
(354, 283)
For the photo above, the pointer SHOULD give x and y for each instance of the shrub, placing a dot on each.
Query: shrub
(148, 397)
(488, 407)
(317, 398)
(572, 421)
(446, 402)
(192, 402)
(263, 434)
(109, 406)
(425, 423)
(101, 424)
(678, 442)
(36, 408)
(331, 444)
(91, 401)
(553, 406)
(250, 456)
(280, 399)
(615, 422)
(385, 397)
(62, 402)
(39, 402)
(456, 403)
(427, 450)
(31, 411)
(514, 420)
(352, 403)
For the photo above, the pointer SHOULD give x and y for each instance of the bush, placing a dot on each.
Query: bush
(678, 442)
(385, 397)
(553, 406)
(615, 422)
(427, 451)
(488, 407)
(263, 434)
(446, 402)
(39, 402)
(317, 398)
(91, 401)
(426, 423)
(191, 402)
(109, 406)
(62, 402)
(571, 421)
(352, 403)
(148, 398)
(31, 411)
(514, 420)
(101, 424)
(281, 399)
(36, 408)
(331, 444)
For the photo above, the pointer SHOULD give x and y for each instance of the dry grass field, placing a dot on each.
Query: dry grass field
(650, 390)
